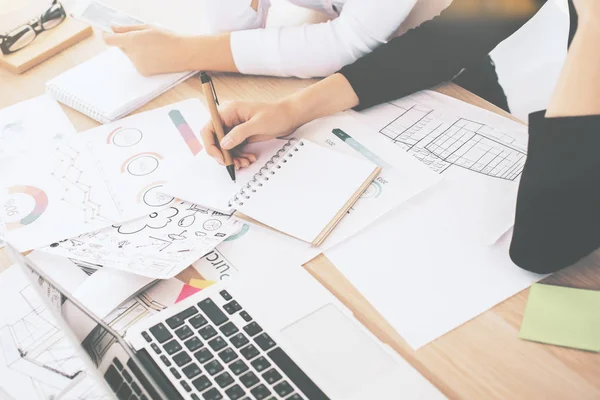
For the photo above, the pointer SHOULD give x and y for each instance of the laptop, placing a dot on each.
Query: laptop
(280, 335)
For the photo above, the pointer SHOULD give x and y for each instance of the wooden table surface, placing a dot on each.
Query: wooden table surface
(481, 359)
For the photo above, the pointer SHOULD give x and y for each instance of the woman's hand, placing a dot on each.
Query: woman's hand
(152, 51)
(248, 123)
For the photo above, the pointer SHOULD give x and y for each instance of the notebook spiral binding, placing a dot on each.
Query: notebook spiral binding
(76, 103)
(281, 157)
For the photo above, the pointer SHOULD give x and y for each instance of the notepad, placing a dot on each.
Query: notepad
(296, 187)
(108, 87)
(563, 316)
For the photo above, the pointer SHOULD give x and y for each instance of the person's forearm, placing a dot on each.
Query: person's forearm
(576, 92)
(331, 95)
(209, 53)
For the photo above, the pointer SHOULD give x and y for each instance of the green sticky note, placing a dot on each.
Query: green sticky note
(563, 317)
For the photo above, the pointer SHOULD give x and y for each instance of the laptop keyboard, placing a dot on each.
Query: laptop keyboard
(216, 352)
(123, 383)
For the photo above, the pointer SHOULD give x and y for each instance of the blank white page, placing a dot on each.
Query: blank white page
(306, 193)
(110, 83)
(207, 183)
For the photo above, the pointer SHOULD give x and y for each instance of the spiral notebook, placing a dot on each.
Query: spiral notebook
(296, 187)
(108, 87)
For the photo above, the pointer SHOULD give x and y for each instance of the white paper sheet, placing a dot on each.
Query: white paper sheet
(32, 123)
(158, 246)
(423, 275)
(480, 155)
(402, 176)
(56, 193)
(98, 288)
(36, 360)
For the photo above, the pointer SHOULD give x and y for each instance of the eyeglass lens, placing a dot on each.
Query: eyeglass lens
(20, 37)
(53, 16)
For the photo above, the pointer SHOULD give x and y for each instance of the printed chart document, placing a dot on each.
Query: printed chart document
(480, 155)
(20, 132)
(37, 361)
(98, 178)
(158, 246)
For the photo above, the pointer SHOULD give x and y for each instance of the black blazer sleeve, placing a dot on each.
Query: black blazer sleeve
(558, 207)
(428, 55)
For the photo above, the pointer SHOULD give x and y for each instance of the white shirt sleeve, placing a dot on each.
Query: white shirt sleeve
(234, 15)
(320, 49)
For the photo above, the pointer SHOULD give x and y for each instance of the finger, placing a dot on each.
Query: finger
(210, 143)
(250, 157)
(236, 162)
(259, 138)
(112, 39)
(128, 28)
(238, 135)
(244, 162)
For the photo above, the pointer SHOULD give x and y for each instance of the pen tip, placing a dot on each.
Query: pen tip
(231, 170)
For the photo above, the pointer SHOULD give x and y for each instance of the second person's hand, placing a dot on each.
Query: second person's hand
(247, 122)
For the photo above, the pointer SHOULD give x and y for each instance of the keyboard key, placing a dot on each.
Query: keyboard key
(213, 367)
(185, 385)
(228, 355)
(195, 396)
(239, 340)
(201, 383)
(165, 360)
(249, 352)
(160, 333)
(184, 332)
(182, 358)
(295, 374)
(146, 337)
(207, 332)
(232, 307)
(235, 392)
(127, 376)
(224, 379)
(272, 376)
(193, 344)
(198, 321)
(217, 343)
(253, 328)
(260, 392)
(264, 341)
(156, 349)
(191, 371)
(172, 347)
(175, 373)
(283, 389)
(117, 364)
(295, 396)
(213, 312)
(238, 367)
(225, 295)
(203, 355)
(246, 316)
(212, 394)
(261, 363)
(124, 392)
(136, 388)
(249, 379)
(113, 378)
(229, 329)
(178, 319)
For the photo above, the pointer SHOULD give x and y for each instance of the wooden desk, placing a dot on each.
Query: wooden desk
(481, 359)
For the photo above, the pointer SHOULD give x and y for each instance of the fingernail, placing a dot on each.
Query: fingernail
(226, 143)
(220, 162)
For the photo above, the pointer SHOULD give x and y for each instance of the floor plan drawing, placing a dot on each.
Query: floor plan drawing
(465, 143)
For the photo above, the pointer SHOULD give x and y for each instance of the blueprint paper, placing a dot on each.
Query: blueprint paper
(20, 132)
(479, 154)
(157, 246)
(62, 191)
(37, 361)
(401, 178)
(100, 289)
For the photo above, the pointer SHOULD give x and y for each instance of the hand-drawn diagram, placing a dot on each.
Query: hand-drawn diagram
(125, 137)
(158, 246)
(142, 164)
(40, 203)
(463, 143)
(33, 349)
(153, 197)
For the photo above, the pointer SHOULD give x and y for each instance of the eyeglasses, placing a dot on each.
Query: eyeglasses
(25, 34)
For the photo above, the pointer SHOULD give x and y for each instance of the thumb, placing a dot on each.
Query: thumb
(128, 28)
(237, 136)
